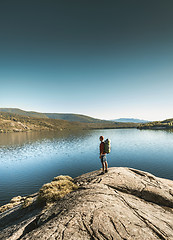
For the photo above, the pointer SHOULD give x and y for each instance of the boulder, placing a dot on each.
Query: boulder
(123, 204)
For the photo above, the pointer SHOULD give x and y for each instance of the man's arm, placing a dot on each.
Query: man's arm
(101, 148)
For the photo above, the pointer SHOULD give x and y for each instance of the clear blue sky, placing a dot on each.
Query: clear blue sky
(105, 59)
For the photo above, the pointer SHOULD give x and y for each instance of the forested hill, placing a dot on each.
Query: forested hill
(10, 122)
(68, 116)
(23, 113)
(74, 117)
(166, 124)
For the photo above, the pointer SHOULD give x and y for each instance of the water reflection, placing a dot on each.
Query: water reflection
(28, 160)
(8, 139)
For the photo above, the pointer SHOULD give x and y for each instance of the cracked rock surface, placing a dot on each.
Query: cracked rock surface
(123, 204)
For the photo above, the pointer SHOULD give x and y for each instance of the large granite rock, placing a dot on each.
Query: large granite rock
(121, 204)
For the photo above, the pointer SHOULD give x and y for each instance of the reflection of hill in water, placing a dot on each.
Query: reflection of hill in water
(28, 160)
(29, 137)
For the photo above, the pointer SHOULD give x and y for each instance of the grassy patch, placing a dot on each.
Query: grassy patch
(56, 189)
(6, 207)
(13, 202)
(27, 202)
(49, 193)
(63, 177)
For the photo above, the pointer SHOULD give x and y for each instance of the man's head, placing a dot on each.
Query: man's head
(101, 138)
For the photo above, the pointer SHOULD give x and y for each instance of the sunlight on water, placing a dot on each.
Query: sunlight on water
(28, 160)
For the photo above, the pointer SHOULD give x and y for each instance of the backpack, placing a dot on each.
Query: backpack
(107, 143)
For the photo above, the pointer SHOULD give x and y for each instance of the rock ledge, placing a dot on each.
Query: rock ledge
(123, 204)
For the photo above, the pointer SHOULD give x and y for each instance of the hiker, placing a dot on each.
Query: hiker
(103, 155)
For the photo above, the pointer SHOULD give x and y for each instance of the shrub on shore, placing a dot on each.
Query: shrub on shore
(6, 207)
(48, 193)
(63, 177)
(27, 202)
(56, 189)
(13, 202)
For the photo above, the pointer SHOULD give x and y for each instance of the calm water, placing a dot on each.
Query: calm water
(28, 160)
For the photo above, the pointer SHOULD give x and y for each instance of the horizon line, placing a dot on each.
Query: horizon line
(82, 115)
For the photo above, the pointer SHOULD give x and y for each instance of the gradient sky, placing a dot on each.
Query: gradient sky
(106, 59)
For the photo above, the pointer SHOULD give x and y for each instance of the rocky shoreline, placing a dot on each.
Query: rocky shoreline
(124, 204)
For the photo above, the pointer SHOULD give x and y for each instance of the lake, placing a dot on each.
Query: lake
(29, 160)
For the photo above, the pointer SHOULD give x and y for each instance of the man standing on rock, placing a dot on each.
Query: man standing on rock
(103, 155)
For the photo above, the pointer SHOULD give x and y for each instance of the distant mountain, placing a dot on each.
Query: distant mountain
(67, 116)
(74, 117)
(132, 120)
(63, 116)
